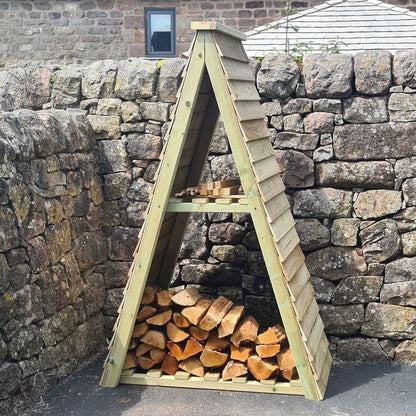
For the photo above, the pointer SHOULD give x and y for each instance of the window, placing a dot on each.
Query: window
(160, 32)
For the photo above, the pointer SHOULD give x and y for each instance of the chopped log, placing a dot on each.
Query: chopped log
(280, 333)
(164, 298)
(155, 338)
(133, 344)
(148, 295)
(143, 348)
(195, 313)
(287, 364)
(193, 365)
(170, 364)
(261, 368)
(192, 348)
(267, 351)
(157, 355)
(268, 337)
(174, 333)
(198, 333)
(216, 343)
(233, 369)
(246, 331)
(186, 297)
(230, 321)
(139, 330)
(213, 359)
(175, 350)
(240, 353)
(215, 313)
(180, 321)
(145, 312)
(145, 363)
(160, 319)
(130, 361)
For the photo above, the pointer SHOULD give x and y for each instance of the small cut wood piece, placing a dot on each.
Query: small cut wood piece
(187, 297)
(246, 331)
(175, 350)
(198, 333)
(230, 321)
(130, 361)
(148, 295)
(195, 313)
(267, 351)
(180, 321)
(142, 349)
(240, 353)
(164, 298)
(157, 355)
(233, 369)
(174, 333)
(192, 348)
(169, 365)
(133, 344)
(216, 343)
(160, 319)
(139, 330)
(274, 335)
(145, 363)
(261, 368)
(145, 312)
(193, 365)
(287, 364)
(213, 359)
(155, 338)
(215, 313)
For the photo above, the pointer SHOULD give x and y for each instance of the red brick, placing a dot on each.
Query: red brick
(133, 22)
(138, 36)
(137, 51)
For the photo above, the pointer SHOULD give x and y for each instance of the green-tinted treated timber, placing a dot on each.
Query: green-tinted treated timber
(157, 206)
(200, 383)
(258, 213)
(209, 207)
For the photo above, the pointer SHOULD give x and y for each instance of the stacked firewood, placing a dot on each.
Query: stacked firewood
(187, 332)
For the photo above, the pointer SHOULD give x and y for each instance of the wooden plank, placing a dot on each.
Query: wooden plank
(298, 281)
(309, 318)
(255, 129)
(287, 243)
(276, 206)
(292, 263)
(229, 47)
(251, 188)
(236, 70)
(324, 376)
(244, 91)
(248, 110)
(259, 149)
(219, 28)
(319, 359)
(207, 207)
(271, 187)
(314, 337)
(200, 383)
(157, 205)
(304, 299)
(266, 168)
(282, 224)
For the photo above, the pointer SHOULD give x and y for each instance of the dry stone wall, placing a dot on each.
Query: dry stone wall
(79, 150)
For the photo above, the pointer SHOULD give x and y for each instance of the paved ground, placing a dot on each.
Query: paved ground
(365, 389)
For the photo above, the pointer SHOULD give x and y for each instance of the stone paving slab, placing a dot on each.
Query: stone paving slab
(382, 389)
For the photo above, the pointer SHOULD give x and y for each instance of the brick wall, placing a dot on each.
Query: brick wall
(62, 32)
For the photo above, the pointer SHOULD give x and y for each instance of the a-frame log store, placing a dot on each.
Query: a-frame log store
(219, 80)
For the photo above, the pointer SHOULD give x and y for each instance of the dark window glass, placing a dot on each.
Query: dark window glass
(160, 32)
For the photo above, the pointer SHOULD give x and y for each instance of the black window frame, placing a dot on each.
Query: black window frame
(148, 12)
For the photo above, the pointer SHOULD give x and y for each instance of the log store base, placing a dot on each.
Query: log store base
(217, 80)
(211, 381)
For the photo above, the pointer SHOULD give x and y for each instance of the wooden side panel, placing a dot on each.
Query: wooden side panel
(265, 168)
(287, 243)
(243, 91)
(254, 129)
(292, 263)
(271, 187)
(259, 149)
(276, 206)
(309, 318)
(304, 299)
(248, 110)
(315, 336)
(230, 47)
(298, 281)
(237, 70)
(282, 224)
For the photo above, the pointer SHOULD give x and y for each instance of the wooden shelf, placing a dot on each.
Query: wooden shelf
(177, 205)
(266, 386)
